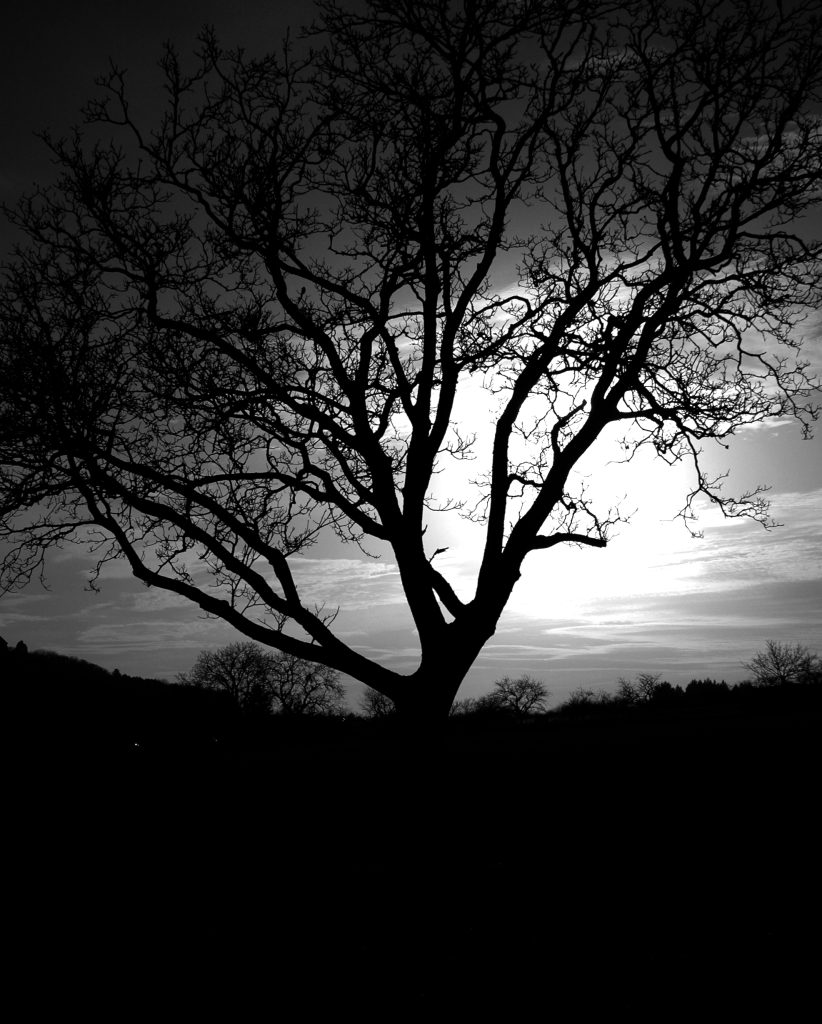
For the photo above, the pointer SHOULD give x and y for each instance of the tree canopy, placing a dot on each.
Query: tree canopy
(520, 697)
(268, 682)
(781, 664)
(250, 323)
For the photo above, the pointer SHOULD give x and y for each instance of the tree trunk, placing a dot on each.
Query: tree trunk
(425, 706)
(430, 692)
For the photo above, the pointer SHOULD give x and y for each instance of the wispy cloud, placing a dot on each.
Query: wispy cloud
(145, 635)
(352, 583)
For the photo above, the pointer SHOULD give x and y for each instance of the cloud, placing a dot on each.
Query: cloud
(147, 635)
(351, 583)
(10, 617)
(772, 423)
(154, 600)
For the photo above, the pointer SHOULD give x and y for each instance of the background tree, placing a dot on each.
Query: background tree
(374, 704)
(299, 687)
(521, 696)
(250, 323)
(626, 692)
(640, 690)
(781, 664)
(268, 682)
(242, 670)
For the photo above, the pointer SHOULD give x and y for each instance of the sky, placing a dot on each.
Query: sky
(655, 600)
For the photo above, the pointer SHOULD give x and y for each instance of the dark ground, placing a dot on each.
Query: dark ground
(667, 863)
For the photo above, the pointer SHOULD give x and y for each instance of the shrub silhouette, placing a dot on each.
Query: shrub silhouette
(461, 708)
(707, 691)
(585, 700)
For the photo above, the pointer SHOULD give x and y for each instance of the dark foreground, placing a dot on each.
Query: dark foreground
(661, 863)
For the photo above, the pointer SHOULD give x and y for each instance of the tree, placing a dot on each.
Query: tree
(466, 706)
(251, 324)
(782, 664)
(374, 704)
(626, 692)
(266, 682)
(299, 687)
(639, 691)
(522, 696)
(241, 670)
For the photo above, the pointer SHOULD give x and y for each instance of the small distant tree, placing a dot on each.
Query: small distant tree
(241, 670)
(264, 682)
(638, 691)
(647, 684)
(300, 687)
(374, 704)
(521, 696)
(626, 691)
(783, 664)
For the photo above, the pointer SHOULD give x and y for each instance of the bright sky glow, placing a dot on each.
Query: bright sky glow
(655, 600)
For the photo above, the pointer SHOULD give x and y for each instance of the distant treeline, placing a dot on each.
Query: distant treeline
(57, 698)
(699, 693)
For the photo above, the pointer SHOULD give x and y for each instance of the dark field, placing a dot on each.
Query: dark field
(577, 862)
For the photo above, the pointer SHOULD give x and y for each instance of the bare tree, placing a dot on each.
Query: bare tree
(268, 682)
(522, 696)
(241, 670)
(782, 664)
(374, 704)
(626, 691)
(647, 684)
(251, 323)
(638, 691)
(299, 687)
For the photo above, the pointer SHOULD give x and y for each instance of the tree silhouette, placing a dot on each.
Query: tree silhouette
(638, 691)
(374, 704)
(254, 322)
(300, 687)
(241, 670)
(521, 696)
(266, 682)
(782, 664)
